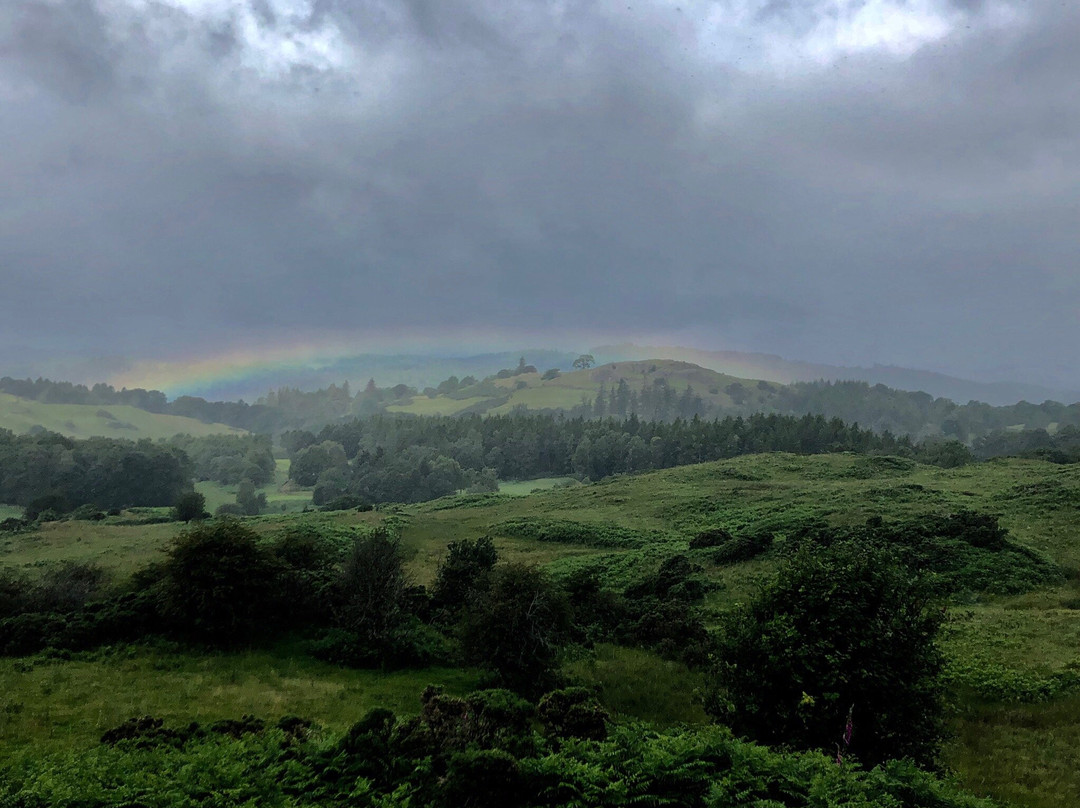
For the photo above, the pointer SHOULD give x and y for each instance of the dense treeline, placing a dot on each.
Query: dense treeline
(50, 392)
(105, 472)
(228, 459)
(919, 414)
(408, 459)
(916, 414)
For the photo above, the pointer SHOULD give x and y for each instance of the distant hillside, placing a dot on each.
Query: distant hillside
(21, 415)
(597, 391)
(785, 371)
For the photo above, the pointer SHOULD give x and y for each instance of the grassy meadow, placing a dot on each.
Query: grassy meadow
(111, 420)
(1014, 660)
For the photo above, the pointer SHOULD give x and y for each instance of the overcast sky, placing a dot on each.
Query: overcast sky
(847, 181)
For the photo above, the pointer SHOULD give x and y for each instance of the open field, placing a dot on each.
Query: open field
(1017, 721)
(277, 501)
(521, 488)
(111, 420)
(69, 703)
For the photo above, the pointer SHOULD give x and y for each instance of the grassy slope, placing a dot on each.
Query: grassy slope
(1026, 752)
(570, 389)
(86, 421)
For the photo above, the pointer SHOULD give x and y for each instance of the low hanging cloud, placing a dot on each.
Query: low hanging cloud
(840, 181)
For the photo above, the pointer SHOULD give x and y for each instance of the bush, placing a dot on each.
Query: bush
(573, 712)
(517, 627)
(743, 547)
(841, 631)
(190, 506)
(217, 583)
(462, 572)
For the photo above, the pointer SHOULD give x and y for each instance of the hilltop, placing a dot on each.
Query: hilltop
(580, 390)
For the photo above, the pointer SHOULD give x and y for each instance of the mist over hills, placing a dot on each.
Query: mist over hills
(429, 369)
(772, 368)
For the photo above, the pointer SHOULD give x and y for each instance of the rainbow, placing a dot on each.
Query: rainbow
(252, 360)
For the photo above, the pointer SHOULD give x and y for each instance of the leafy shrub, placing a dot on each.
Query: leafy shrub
(217, 583)
(566, 531)
(483, 778)
(743, 547)
(573, 712)
(462, 572)
(516, 628)
(841, 631)
(711, 537)
(87, 513)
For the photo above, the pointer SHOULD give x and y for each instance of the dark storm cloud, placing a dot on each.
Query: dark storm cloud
(192, 174)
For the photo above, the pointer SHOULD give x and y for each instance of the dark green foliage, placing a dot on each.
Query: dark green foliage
(229, 459)
(479, 750)
(516, 627)
(374, 610)
(87, 513)
(46, 508)
(307, 573)
(217, 583)
(573, 712)
(48, 472)
(190, 506)
(346, 502)
(842, 628)
(743, 547)
(483, 778)
(964, 551)
(712, 537)
(249, 502)
(489, 719)
(462, 572)
(566, 531)
(148, 732)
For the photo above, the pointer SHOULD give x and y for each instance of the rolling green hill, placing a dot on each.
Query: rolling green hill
(570, 390)
(20, 415)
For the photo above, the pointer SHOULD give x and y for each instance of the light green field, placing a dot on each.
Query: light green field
(277, 501)
(9, 511)
(520, 488)
(86, 420)
(439, 405)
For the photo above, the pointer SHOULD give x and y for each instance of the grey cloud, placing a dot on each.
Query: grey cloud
(526, 165)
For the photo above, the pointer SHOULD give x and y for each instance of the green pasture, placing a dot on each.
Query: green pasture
(1014, 661)
(111, 420)
(277, 500)
(55, 703)
(521, 488)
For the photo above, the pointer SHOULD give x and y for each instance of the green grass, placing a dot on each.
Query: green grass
(10, 512)
(1012, 750)
(520, 488)
(635, 684)
(439, 405)
(111, 421)
(277, 501)
(65, 704)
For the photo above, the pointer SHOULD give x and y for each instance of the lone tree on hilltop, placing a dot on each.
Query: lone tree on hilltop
(584, 362)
